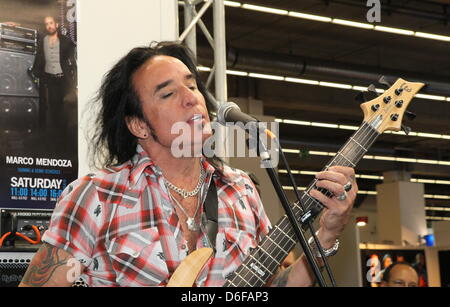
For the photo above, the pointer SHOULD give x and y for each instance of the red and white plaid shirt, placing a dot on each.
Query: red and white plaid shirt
(122, 226)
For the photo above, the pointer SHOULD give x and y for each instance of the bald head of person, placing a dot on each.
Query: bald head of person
(400, 274)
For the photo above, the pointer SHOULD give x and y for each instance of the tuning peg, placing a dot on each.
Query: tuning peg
(372, 88)
(406, 129)
(384, 81)
(410, 115)
(360, 97)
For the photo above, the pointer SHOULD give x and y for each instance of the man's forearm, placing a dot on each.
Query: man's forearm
(48, 268)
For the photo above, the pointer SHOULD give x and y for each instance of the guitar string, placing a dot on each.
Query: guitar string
(345, 159)
(336, 157)
(251, 272)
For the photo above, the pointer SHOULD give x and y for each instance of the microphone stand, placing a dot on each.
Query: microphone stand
(265, 159)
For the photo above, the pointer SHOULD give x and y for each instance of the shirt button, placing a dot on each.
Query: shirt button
(183, 246)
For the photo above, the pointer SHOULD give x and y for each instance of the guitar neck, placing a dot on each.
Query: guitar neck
(264, 261)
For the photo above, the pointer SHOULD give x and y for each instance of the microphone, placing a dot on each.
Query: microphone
(230, 112)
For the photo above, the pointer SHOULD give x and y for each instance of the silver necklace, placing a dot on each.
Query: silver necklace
(191, 224)
(185, 194)
(190, 221)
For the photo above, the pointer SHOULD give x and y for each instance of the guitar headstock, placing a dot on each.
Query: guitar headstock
(386, 111)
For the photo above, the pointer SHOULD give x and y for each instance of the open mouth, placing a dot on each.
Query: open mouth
(195, 118)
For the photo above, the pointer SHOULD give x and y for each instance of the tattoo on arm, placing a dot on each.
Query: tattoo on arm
(282, 278)
(41, 270)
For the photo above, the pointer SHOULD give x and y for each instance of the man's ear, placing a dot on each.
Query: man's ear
(137, 127)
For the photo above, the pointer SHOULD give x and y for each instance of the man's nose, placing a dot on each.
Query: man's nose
(189, 97)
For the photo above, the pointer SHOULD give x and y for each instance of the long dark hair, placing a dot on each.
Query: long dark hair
(112, 142)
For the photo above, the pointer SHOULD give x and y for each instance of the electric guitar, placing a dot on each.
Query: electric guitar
(380, 114)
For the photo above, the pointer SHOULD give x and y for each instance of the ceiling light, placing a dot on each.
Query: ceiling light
(343, 22)
(203, 68)
(438, 218)
(362, 221)
(370, 177)
(310, 17)
(345, 127)
(352, 23)
(304, 81)
(237, 73)
(324, 125)
(321, 83)
(232, 3)
(394, 30)
(431, 97)
(433, 36)
(296, 122)
(293, 151)
(264, 9)
(266, 76)
(337, 85)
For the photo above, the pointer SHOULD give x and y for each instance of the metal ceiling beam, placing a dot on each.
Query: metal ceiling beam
(296, 66)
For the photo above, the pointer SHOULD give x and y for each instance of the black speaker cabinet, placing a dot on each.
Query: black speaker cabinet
(19, 113)
(13, 266)
(14, 77)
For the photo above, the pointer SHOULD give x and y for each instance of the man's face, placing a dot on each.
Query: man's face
(402, 276)
(169, 96)
(50, 25)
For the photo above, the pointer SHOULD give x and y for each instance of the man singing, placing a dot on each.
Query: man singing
(134, 222)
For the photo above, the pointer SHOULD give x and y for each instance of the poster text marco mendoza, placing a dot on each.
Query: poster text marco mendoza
(34, 181)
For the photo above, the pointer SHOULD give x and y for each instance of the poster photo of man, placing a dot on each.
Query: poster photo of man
(38, 101)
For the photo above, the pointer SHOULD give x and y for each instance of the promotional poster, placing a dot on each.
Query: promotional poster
(38, 101)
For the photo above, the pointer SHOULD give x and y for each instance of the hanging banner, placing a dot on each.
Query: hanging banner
(38, 101)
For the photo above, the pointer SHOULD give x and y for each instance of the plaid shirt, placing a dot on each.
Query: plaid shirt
(122, 226)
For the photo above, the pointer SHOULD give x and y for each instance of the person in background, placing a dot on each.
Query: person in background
(400, 274)
(421, 268)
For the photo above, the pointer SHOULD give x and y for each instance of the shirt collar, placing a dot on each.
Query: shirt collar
(141, 161)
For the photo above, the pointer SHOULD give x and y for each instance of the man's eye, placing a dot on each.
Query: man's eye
(166, 96)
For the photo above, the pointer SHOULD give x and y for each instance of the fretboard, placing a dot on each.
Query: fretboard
(264, 261)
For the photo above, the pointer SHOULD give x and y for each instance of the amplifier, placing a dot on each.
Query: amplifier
(18, 33)
(13, 266)
(19, 113)
(18, 46)
(19, 222)
(14, 77)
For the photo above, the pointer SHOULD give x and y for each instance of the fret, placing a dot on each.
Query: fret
(268, 237)
(342, 155)
(243, 279)
(273, 259)
(232, 283)
(253, 273)
(264, 267)
(285, 234)
(357, 143)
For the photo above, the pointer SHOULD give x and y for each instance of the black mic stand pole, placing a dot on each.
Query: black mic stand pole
(265, 159)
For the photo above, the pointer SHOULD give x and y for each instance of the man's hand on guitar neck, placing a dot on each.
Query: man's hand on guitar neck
(336, 214)
(340, 181)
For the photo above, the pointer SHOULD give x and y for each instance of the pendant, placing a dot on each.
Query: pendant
(192, 226)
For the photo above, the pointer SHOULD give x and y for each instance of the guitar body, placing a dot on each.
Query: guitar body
(187, 272)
